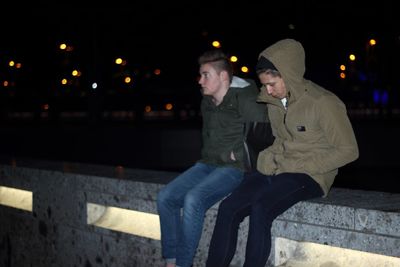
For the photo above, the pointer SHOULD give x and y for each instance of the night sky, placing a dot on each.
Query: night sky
(171, 35)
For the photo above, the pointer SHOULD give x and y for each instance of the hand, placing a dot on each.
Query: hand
(233, 156)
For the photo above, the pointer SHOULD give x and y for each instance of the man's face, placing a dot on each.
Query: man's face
(210, 80)
(273, 85)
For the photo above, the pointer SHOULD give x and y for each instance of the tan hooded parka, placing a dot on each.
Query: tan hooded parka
(314, 134)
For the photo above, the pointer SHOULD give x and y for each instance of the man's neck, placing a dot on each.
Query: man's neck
(218, 97)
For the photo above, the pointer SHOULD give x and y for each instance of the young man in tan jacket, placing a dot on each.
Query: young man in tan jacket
(313, 138)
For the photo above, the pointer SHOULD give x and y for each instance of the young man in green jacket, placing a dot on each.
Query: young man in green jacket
(228, 104)
(313, 138)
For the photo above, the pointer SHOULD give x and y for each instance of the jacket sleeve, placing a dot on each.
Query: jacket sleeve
(266, 163)
(340, 136)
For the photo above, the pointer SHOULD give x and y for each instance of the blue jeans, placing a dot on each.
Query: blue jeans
(262, 198)
(182, 205)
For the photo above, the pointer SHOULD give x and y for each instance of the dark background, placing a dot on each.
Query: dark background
(169, 36)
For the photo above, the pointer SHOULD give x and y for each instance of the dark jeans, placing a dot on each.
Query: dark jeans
(262, 198)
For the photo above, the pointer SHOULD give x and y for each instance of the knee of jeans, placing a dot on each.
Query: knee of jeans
(162, 196)
(192, 201)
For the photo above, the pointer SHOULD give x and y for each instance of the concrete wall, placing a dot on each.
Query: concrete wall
(56, 232)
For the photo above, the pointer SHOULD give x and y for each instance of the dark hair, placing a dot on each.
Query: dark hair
(274, 73)
(219, 60)
(267, 67)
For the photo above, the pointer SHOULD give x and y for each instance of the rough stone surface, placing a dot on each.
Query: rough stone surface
(56, 232)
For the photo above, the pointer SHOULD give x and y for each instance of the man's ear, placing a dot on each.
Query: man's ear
(224, 75)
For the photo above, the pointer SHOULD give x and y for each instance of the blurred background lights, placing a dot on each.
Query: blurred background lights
(216, 44)
(234, 59)
(380, 97)
(244, 69)
(76, 73)
(63, 46)
(128, 79)
(372, 42)
(168, 106)
(157, 71)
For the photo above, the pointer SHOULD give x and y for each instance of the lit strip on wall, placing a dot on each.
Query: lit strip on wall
(16, 198)
(293, 253)
(124, 220)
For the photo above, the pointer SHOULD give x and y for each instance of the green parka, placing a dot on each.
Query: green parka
(223, 125)
(314, 134)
